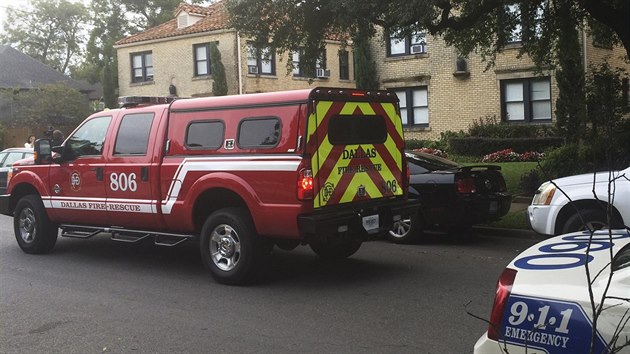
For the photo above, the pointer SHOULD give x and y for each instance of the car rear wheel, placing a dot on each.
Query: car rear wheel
(587, 219)
(230, 247)
(34, 232)
(406, 230)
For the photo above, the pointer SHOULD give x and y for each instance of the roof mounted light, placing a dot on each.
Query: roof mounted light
(132, 101)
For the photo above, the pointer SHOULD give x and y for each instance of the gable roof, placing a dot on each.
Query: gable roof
(19, 70)
(215, 18)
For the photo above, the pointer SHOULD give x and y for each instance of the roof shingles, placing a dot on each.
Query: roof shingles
(215, 19)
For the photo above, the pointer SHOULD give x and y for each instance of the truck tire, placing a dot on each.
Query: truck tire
(34, 232)
(331, 248)
(593, 218)
(230, 247)
(407, 230)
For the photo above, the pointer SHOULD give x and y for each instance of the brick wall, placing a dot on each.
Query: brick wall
(173, 64)
(455, 100)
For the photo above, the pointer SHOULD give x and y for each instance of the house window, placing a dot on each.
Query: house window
(141, 67)
(344, 65)
(298, 69)
(260, 60)
(414, 106)
(514, 11)
(526, 100)
(406, 45)
(202, 59)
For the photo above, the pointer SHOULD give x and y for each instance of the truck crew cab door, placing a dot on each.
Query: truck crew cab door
(77, 185)
(132, 171)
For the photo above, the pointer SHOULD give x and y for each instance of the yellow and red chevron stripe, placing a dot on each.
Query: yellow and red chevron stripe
(378, 174)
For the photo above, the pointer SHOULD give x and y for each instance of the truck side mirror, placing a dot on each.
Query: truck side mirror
(43, 151)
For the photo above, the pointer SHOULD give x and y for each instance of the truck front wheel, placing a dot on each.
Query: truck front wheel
(34, 232)
(230, 247)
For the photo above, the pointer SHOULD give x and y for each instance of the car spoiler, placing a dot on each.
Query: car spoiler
(478, 167)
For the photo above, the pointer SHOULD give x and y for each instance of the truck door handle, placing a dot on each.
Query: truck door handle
(144, 173)
(99, 173)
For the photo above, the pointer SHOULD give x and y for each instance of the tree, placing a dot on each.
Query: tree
(100, 65)
(151, 13)
(365, 67)
(51, 32)
(468, 24)
(219, 85)
(56, 104)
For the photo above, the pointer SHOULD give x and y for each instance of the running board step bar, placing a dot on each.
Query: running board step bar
(124, 235)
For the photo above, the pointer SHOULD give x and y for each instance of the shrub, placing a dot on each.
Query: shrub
(479, 146)
(508, 155)
(530, 181)
(436, 152)
(491, 127)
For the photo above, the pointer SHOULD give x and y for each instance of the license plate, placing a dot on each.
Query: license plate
(370, 222)
(494, 206)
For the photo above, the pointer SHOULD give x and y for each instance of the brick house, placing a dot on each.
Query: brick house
(174, 58)
(438, 91)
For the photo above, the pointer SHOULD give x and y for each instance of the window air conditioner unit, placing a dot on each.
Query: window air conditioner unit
(252, 69)
(323, 73)
(418, 49)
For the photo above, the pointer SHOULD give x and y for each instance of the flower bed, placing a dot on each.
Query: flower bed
(508, 155)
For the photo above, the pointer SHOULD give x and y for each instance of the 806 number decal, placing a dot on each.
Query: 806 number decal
(123, 182)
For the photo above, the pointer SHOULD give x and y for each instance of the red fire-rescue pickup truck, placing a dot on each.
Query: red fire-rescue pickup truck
(323, 167)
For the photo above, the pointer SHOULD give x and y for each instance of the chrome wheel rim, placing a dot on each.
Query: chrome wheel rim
(28, 225)
(225, 247)
(401, 228)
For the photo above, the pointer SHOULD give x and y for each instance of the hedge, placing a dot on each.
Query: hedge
(478, 146)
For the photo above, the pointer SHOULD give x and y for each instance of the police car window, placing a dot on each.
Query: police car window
(2, 157)
(133, 134)
(89, 138)
(205, 135)
(259, 132)
(357, 129)
(622, 258)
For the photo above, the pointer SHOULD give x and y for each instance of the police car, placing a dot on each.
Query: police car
(543, 302)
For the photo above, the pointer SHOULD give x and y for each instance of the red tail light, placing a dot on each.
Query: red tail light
(504, 288)
(305, 184)
(465, 185)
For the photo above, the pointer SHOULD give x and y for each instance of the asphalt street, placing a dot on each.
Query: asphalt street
(96, 295)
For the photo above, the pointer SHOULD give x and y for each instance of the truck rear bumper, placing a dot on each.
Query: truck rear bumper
(347, 219)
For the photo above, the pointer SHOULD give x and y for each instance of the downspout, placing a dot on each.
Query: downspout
(240, 66)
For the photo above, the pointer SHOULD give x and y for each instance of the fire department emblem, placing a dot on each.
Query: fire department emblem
(75, 181)
(329, 188)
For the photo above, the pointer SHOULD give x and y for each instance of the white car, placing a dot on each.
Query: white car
(580, 202)
(543, 304)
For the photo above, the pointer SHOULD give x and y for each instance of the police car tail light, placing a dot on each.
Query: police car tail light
(502, 186)
(465, 185)
(504, 288)
(305, 184)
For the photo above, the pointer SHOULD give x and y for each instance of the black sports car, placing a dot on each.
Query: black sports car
(454, 197)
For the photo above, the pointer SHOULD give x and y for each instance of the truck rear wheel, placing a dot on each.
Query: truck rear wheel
(230, 247)
(331, 248)
(34, 232)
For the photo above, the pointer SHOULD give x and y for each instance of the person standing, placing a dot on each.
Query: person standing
(30, 142)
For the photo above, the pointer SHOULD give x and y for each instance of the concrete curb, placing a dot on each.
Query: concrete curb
(515, 233)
